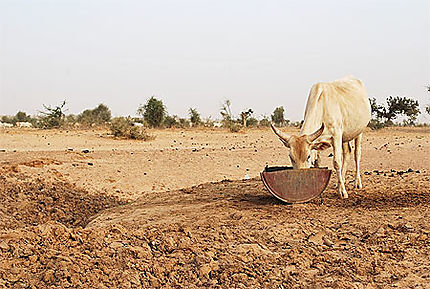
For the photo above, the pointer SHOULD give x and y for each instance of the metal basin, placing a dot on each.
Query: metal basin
(295, 186)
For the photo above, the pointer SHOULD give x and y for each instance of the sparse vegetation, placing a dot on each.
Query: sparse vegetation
(251, 122)
(428, 105)
(265, 121)
(153, 112)
(396, 106)
(97, 116)
(123, 127)
(53, 117)
(20, 116)
(195, 117)
(227, 117)
(244, 115)
(175, 121)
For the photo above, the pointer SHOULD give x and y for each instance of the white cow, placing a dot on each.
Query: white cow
(336, 113)
(5, 124)
(23, 124)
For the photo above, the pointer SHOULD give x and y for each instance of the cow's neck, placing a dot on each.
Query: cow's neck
(313, 120)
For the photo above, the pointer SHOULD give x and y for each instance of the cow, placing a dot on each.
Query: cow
(5, 124)
(336, 114)
(23, 124)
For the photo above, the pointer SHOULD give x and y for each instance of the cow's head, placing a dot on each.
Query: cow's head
(301, 147)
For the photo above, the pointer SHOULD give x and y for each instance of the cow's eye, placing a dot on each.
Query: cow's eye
(309, 157)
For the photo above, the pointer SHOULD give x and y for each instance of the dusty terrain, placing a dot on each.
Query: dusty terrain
(82, 210)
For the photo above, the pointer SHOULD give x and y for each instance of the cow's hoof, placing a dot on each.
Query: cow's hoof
(358, 185)
(344, 195)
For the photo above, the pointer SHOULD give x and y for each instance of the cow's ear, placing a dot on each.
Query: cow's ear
(320, 146)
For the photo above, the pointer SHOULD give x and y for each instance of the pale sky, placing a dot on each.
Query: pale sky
(197, 53)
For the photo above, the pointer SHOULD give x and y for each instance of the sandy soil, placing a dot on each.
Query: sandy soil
(83, 210)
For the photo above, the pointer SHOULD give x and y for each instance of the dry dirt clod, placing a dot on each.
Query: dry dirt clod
(317, 238)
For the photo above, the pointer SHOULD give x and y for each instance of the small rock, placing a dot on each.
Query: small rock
(317, 238)
(4, 246)
(115, 245)
(205, 269)
(410, 170)
(327, 242)
(85, 151)
(90, 164)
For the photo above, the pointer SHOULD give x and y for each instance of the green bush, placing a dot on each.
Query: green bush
(252, 121)
(123, 127)
(153, 112)
(278, 116)
(194, 117)
(99, 115)
(375, 124)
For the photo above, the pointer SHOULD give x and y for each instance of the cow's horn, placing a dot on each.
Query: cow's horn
(316, 134)
(282, 136)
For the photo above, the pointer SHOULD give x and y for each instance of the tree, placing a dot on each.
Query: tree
(7, 119)
(278, 116)
(53, 117)
(153, 112)
(395, 106)
(99, 115)
(244, 115)
(194, 117)
(21, 116)
(428, 106)
(226, 113)
(227, 117)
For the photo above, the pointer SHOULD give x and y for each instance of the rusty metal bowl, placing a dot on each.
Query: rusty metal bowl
(295, 186)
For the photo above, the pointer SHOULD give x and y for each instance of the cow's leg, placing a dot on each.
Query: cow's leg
(317, 160)
(337, 164)
(357, 157)
(346, 155)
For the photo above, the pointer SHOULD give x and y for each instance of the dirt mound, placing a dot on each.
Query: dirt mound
(40, 163)
(218, 235)
(35, 202)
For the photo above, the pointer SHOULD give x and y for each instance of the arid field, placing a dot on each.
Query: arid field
(80, 209)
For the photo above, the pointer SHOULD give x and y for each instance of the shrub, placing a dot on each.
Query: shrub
(99, 115)
(375, 124)
(252, 121)
(264, 121)
(194, 117)
(53, 117)
(123, 127)
(170, 121)
(235, 127)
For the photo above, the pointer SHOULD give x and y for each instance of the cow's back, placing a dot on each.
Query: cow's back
(339, 104)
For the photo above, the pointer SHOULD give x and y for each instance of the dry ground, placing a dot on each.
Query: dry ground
(82, 210)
